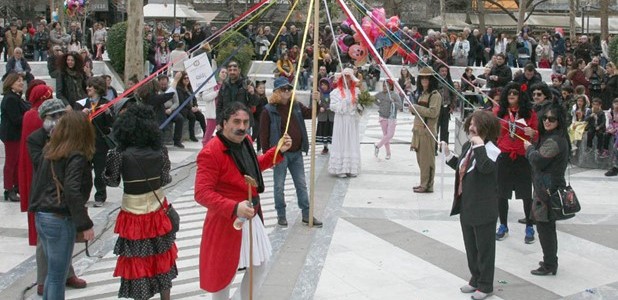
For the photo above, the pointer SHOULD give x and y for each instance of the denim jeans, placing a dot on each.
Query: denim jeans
(57, 235)
(40, 55)
(292, 161)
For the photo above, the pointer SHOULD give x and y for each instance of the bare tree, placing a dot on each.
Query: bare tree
(481, 14)
(231, 8)
(603, 9)
(572, 13)
(525, 6)
(134, 57)
(443, 12)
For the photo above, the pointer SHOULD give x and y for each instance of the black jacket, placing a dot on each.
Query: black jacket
(478, 204)
(10, 67)
(70, 88)
(12, 112)
(233, 92)
(504, 73)
(75, 175)
(102, 123)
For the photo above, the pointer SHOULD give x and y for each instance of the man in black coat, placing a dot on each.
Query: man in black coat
(500, 73)
(529, 77)
(234, 89)
(476, 199)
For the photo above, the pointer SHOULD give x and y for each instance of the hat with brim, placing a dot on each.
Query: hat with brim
(281, 82)
(425, 72)
(350, 73)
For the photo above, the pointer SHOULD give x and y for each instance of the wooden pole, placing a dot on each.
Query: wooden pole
(314, 106)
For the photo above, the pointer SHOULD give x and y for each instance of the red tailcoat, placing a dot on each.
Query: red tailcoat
(219, 186)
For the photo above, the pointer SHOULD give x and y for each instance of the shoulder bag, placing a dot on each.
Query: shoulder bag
(564, 202)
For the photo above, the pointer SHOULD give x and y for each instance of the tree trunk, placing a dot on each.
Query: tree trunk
(604, 8)
(134, 53)
(572, 13)
(443, 12)
(481, 14)
(230, 8)
(522, 15)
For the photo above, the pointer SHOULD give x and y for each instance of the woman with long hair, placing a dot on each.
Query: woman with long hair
(61, 187)
(74, 45)
(285, 66)
(425, 128)
(388, 103)
(548, 157)
(345, 149)
(162, 54)
(71, 79)
(559, 66)
(518, 121)
(12, 110)
(190, 111)
(147, 253)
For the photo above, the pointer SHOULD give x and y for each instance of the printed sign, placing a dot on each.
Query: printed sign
(198, 68)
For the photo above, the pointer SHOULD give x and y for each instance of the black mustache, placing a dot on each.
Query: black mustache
(240, 132)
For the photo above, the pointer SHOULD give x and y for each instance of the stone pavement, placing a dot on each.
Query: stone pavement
(379, 240)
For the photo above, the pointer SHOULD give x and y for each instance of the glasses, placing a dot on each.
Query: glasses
(537, 94)
(513, 93)
(551, 119)
(185, 78)
(286, 89)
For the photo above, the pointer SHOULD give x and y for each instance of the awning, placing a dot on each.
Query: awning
(166, 11)
(207, 17)
(595, 24)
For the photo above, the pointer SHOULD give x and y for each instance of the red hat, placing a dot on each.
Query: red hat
(31, 85)
(39, 94)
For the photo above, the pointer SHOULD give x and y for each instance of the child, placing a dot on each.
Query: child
(596, 127)
(326, 116)
(579, 114)
(261, 101)
(612, 130)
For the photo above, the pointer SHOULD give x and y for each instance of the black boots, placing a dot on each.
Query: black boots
(11, 195)
(544, 270)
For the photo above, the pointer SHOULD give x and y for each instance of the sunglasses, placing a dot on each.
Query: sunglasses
(514, 92)
(551, 119)
(185, 78)
(537, 94)
(286, 89)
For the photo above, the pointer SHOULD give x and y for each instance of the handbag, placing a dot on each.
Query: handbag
(564, 203)
(171, 213)
(79, 236)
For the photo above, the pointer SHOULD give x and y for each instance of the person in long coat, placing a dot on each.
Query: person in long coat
(425, 128)
(220, 186)
(476, 199)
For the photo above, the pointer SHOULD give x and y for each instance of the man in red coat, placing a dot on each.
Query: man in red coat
(220, 187)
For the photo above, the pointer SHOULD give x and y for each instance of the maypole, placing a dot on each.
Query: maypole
(314, 105)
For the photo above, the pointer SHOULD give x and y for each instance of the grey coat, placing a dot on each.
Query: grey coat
(327, 115)
(384, 101)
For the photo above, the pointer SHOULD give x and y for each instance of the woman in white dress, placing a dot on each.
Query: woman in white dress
(345, 149)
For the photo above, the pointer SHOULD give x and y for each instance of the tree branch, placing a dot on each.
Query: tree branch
(531, 11)
(499, 5)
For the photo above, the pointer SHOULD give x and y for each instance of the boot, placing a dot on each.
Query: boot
(11, 195)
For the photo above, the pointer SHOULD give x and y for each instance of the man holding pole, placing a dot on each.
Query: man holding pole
(272, 125)
(221, 186)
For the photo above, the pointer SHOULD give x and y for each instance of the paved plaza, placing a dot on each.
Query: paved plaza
(379, 241)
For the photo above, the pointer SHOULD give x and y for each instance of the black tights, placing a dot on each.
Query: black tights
(503, 209)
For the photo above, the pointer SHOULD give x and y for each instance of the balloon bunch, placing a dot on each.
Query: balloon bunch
(74, 7)
(351, 45)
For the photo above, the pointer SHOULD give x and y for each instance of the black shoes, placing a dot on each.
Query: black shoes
(282, 221)
(612, 172)
(316, 222)
(11, 195)
(193, 139)
(179, 145)
(544, 270)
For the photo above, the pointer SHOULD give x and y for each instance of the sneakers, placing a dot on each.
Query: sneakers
(612, 172)
(282, 221)
(316, 222)
(604, 154)
(76, 283)
(529, 239)
(478, 295)
(502, 232)
(376, 150)
(467, 289)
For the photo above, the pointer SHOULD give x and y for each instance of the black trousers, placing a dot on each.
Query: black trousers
(549, 242)
(98, 161)
(445, 116)
(480, 243)
(177, 121)
(503, 210)
(192, 117)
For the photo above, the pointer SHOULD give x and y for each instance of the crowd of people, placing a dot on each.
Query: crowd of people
(58, 148)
